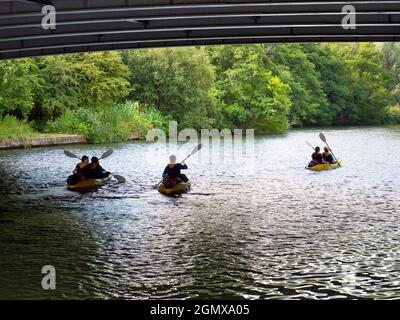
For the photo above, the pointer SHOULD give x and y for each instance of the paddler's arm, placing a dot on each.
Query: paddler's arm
(100, 168)
(165, 174)
(183, 166)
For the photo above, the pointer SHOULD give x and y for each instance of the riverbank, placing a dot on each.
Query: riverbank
(45, 140)
(42, 140)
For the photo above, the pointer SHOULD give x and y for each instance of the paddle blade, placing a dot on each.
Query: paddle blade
(120, 179)
(322, 137)
(310, 145)
(107, 154)
(70, 154)
(197, 148)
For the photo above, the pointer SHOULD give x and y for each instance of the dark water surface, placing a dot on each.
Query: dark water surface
(262, 228)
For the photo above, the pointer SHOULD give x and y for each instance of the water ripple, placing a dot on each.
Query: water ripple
(266, 229)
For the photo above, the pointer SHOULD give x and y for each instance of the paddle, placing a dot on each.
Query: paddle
(195, 150)
(105, 155)
(310, 145)
(70, 154)
(323, 138)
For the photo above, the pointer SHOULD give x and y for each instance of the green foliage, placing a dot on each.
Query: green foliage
(112, 125)
(392, 115)
(292, 64)
(391, 61)
(12, 128)
(18, 82)
(178, 82)
(335, 81)
(265, 87)
(368, 84)
(251, 96)
(91, 80)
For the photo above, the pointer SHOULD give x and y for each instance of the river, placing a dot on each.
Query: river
(261, 227)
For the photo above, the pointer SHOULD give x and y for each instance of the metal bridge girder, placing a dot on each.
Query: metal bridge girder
(91, 25)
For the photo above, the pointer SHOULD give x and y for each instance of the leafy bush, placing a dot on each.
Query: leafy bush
(251, 96)
(18, 83)
(392, 115)
(111, 125)
(276, 124)
(93, 81)
(178, 81)
(12, 128)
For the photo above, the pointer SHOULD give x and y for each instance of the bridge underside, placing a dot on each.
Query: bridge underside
(91, 25)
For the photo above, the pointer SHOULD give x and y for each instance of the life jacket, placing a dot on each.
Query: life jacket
(79, 168)
(328, 157)
(326, 154)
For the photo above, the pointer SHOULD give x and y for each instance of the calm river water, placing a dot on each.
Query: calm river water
(260, 228)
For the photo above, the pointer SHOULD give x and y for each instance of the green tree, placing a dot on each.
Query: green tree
(91, 80)
(391, 61)
(335, 80)
(18, 82)
(251, 96)
(369, 80)
(179, 82)
(292, 64)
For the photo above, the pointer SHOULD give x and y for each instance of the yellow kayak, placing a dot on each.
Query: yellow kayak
(325, 166)
(89, 184)
(181, 187)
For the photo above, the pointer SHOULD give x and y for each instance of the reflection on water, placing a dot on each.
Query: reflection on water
(265, 229)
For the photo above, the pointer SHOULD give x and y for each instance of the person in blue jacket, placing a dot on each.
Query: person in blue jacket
(172, 172)
(327, 156)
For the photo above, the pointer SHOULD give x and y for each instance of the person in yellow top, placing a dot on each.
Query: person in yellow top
(78, 173)
(81, 166)
(327, 156)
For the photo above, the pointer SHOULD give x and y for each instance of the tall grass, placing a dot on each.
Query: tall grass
(109, 125)
(12, 128)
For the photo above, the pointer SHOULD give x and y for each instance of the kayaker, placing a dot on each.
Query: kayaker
(316, 157)
(81, 166)
(94, 170)
(78, 173)
(327, 156)
(172, 172)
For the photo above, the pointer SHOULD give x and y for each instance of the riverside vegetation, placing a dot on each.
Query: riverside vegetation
(105, 96)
